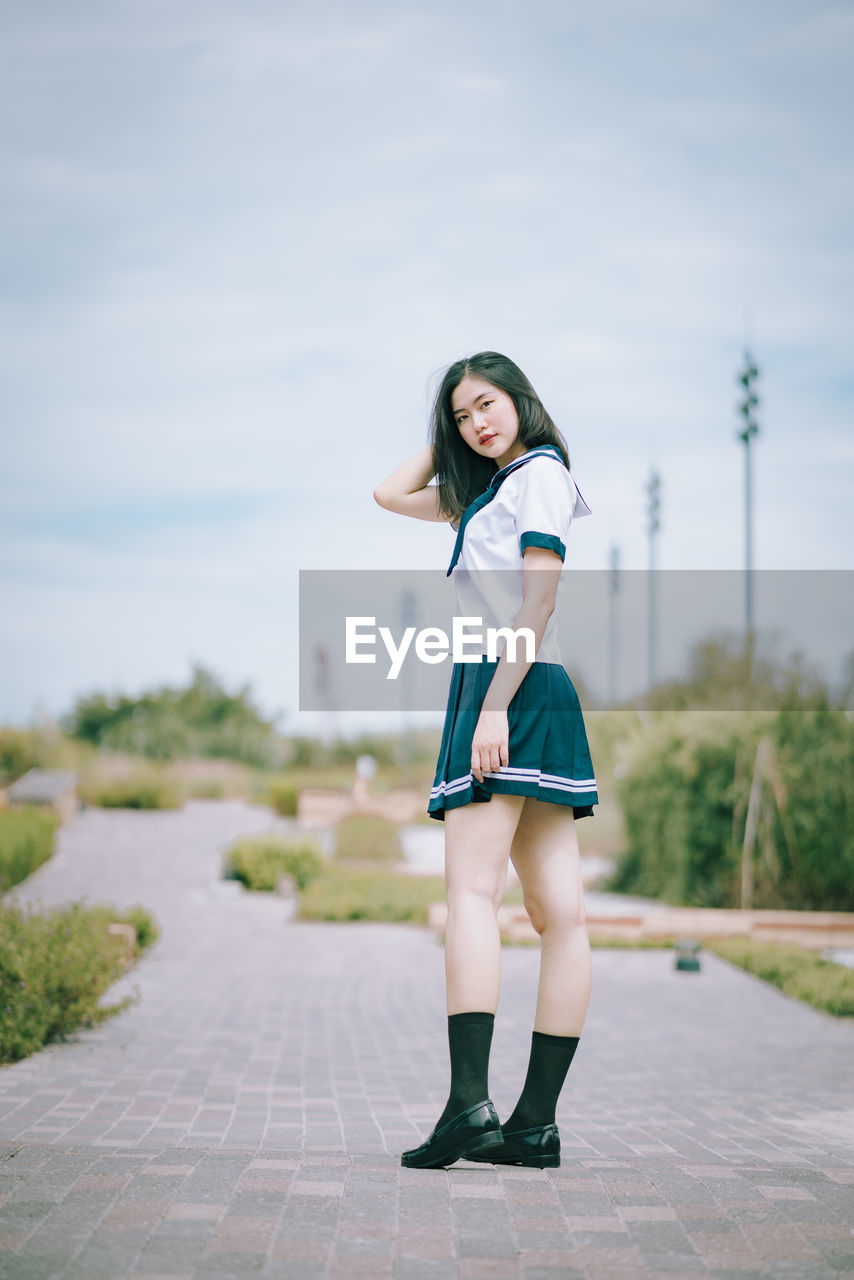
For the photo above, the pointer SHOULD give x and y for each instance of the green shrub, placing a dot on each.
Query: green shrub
(20, 750)
(808, 854)
(54, 969)
(797, 972)
(139, 790)
(283, 795)
(684, 787)
(260, 861)
(368, 839)
(164, 723)
(147, 930)
(350, 894)
(679, 791)
(26, 841)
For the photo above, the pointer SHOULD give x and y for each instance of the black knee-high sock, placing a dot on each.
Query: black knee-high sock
(547, 1068)
(469, 1040)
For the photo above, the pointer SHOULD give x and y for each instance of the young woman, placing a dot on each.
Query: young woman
(514, 768)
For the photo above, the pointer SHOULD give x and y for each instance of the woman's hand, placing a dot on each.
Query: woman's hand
(490, 744)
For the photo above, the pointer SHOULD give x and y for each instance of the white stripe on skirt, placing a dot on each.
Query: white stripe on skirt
(552, 780)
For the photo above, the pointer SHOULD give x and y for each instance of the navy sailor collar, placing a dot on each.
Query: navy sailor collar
(547, 450)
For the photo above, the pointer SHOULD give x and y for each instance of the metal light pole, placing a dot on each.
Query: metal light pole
(653, 506)
(746, 406)
(613, 589)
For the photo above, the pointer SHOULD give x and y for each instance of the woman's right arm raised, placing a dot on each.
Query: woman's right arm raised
(408, 491)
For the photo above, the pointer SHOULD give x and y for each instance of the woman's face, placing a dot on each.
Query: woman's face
(486, 419)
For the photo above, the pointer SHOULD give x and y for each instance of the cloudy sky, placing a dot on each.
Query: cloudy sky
(240, 238)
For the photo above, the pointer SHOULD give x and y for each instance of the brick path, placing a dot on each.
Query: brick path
(246, 1117)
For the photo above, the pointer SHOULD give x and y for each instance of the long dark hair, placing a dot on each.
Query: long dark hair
(461, 473)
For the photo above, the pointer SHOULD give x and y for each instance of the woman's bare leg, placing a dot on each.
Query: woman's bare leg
(546, 857)
(477, 848)
(478, 838)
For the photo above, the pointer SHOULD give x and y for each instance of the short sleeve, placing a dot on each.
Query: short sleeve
(544, 507)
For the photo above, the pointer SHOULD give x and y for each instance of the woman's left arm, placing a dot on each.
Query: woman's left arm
(540, 576)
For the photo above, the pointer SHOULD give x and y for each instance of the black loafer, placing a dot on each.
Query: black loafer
(473, 1130)
(537, 1148)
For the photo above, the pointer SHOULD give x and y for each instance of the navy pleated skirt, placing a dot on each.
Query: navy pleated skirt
(549, 757)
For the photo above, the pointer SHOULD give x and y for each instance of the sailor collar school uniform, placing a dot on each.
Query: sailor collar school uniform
(542, 502)
(529, 503)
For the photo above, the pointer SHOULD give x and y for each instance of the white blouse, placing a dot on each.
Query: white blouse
(530, 502)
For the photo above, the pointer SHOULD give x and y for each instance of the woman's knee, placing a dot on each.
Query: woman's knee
(548, 915)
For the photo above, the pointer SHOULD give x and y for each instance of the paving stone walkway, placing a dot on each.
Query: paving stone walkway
(246, 1117)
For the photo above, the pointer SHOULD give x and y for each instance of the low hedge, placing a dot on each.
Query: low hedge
(365, 838)
(344, 893)
(797, 972)
(139, 790)
(204, 789)
(56, 966)
(26, 841)
(260, 861)
(283, 795)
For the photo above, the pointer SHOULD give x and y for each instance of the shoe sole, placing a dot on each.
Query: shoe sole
(532, 1162)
